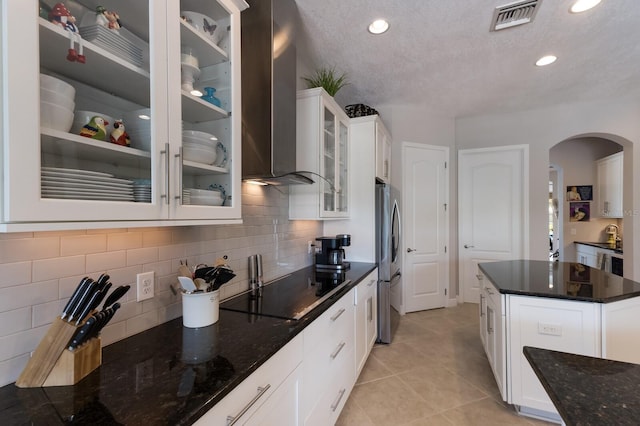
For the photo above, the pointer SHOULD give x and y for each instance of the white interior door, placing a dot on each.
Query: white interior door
(493, 212)
(426, 259)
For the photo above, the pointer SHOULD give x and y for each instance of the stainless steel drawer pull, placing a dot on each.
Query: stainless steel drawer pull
(371, 283)
(231, 420)
(488, 290)
(337, 401)
(337, 314)
(480, 277)
(337, 351)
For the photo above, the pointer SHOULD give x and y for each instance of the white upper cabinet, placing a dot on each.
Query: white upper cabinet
(383, 152)
(322, 148)
(63, 169)
(609, 186)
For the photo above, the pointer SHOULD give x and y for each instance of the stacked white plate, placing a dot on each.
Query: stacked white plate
(142, 190)
(113, 42)
(84, 185)
(202, 197)
(199, 147)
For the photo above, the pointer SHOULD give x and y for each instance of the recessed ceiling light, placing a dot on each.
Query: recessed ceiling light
(378, 26)
(546, 60)
(582, 5)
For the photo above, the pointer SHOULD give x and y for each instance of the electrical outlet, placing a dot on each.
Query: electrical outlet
(145, 285)
(550, 329)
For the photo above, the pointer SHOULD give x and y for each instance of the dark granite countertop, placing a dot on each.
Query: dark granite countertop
(605, 246)
(168, 375)
(587, 390)
(560, 280)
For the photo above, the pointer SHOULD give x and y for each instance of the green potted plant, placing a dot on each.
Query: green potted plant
(328, 79)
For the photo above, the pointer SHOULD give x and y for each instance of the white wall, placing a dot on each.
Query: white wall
(617, 120)
(39, 271)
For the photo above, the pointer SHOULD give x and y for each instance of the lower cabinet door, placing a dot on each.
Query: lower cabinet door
(281, 408)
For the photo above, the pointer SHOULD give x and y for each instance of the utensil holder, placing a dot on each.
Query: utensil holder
(52, 364)
(200, 309)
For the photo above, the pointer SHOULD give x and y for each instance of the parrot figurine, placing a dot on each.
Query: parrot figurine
(119, 136)
(95, 129)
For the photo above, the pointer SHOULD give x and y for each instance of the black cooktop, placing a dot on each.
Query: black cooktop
(292, 296)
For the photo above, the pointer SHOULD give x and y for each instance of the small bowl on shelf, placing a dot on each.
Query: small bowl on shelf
(57, 98)
(199, 153)
(55, 116)
(56, 85)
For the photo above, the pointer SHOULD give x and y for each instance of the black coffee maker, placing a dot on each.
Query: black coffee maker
(330, 256)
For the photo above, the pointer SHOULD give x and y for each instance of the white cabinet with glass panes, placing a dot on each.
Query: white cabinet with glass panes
(322, 149)
(99, 129)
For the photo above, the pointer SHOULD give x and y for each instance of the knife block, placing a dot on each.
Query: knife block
(52, 364)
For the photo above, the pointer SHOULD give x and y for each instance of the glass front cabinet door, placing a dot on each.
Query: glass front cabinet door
(106, 115)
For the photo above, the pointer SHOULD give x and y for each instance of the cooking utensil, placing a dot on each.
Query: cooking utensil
(183, 270)
(200, 283)
(220, 276)
(115, 295)
(187, 284)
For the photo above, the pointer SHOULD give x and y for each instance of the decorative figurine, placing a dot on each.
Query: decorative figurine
(107, 18)
(118, 135)
(60, 15)
(95, 129)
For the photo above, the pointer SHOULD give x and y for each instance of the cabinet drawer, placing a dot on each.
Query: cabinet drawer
(335, 395)
(337, 317)
(492, 293)
(362, 289)
(257, 388)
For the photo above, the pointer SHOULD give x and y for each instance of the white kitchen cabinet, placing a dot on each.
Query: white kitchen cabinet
(609, 186)
(124, 86)
(268, 397)
(322, 148)
(329, 366)
(561, 325)
(383, 152)
(620, 329)
(587, 255)
(493, 331)
(366, 318)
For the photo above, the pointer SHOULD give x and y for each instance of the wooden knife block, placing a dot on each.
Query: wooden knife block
(52, 364)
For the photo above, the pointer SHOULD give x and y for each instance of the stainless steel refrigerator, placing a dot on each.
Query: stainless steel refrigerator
(388, 232)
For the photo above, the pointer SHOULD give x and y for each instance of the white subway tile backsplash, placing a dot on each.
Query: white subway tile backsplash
(15, 273)
(14, 321)
(39, 271)
(82, 244)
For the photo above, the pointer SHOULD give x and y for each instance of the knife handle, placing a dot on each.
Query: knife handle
(103, 279)
(116, 295)
(87, 307)
(84, 298)
(73, 300)
(81, 335)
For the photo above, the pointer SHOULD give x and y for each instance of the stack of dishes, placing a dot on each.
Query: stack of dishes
(84, 185)
(199, 147)
(142, 190)
(57, 102)
(138, 125)
(113, 42)
(202, 197)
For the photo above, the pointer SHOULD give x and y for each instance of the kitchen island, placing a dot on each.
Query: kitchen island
(588, 390)
(560, 306)
(169, 374)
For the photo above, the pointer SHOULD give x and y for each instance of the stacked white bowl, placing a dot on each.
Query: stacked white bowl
(57, 101)
(138, 125)
(199, 147)
(205, 197)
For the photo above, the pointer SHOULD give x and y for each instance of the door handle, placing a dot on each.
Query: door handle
(468, 246)
(409, 250)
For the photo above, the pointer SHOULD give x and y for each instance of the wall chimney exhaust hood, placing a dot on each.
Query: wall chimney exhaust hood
(269, 93)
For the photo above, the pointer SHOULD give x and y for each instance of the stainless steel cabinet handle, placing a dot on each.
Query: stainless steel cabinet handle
(231, 420)
(178, 195)
(481, 307)
(337, 401)
(480, 277)
(371, 283)
(468, 246)
(165, 152)
(488, 290)
(489, 315)
(409, 250)
(337, 315)
(370, 309)
(337, 351)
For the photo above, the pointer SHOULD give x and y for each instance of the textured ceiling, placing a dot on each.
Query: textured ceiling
(441, 54)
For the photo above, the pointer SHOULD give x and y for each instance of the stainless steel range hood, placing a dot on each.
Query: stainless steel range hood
(269, 93)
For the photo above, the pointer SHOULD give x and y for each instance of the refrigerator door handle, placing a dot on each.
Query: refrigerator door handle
(395, 277)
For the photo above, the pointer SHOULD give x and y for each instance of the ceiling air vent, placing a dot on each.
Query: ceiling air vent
(512, 14)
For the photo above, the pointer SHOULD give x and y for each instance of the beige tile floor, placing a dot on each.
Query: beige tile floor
(434, 372)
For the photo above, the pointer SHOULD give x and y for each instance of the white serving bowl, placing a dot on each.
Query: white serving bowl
(199, 136)
(55, 116)
(52, 97)
(199, 153)
(57, 85)
(83, 117)
(204, 24)
(206, 201)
